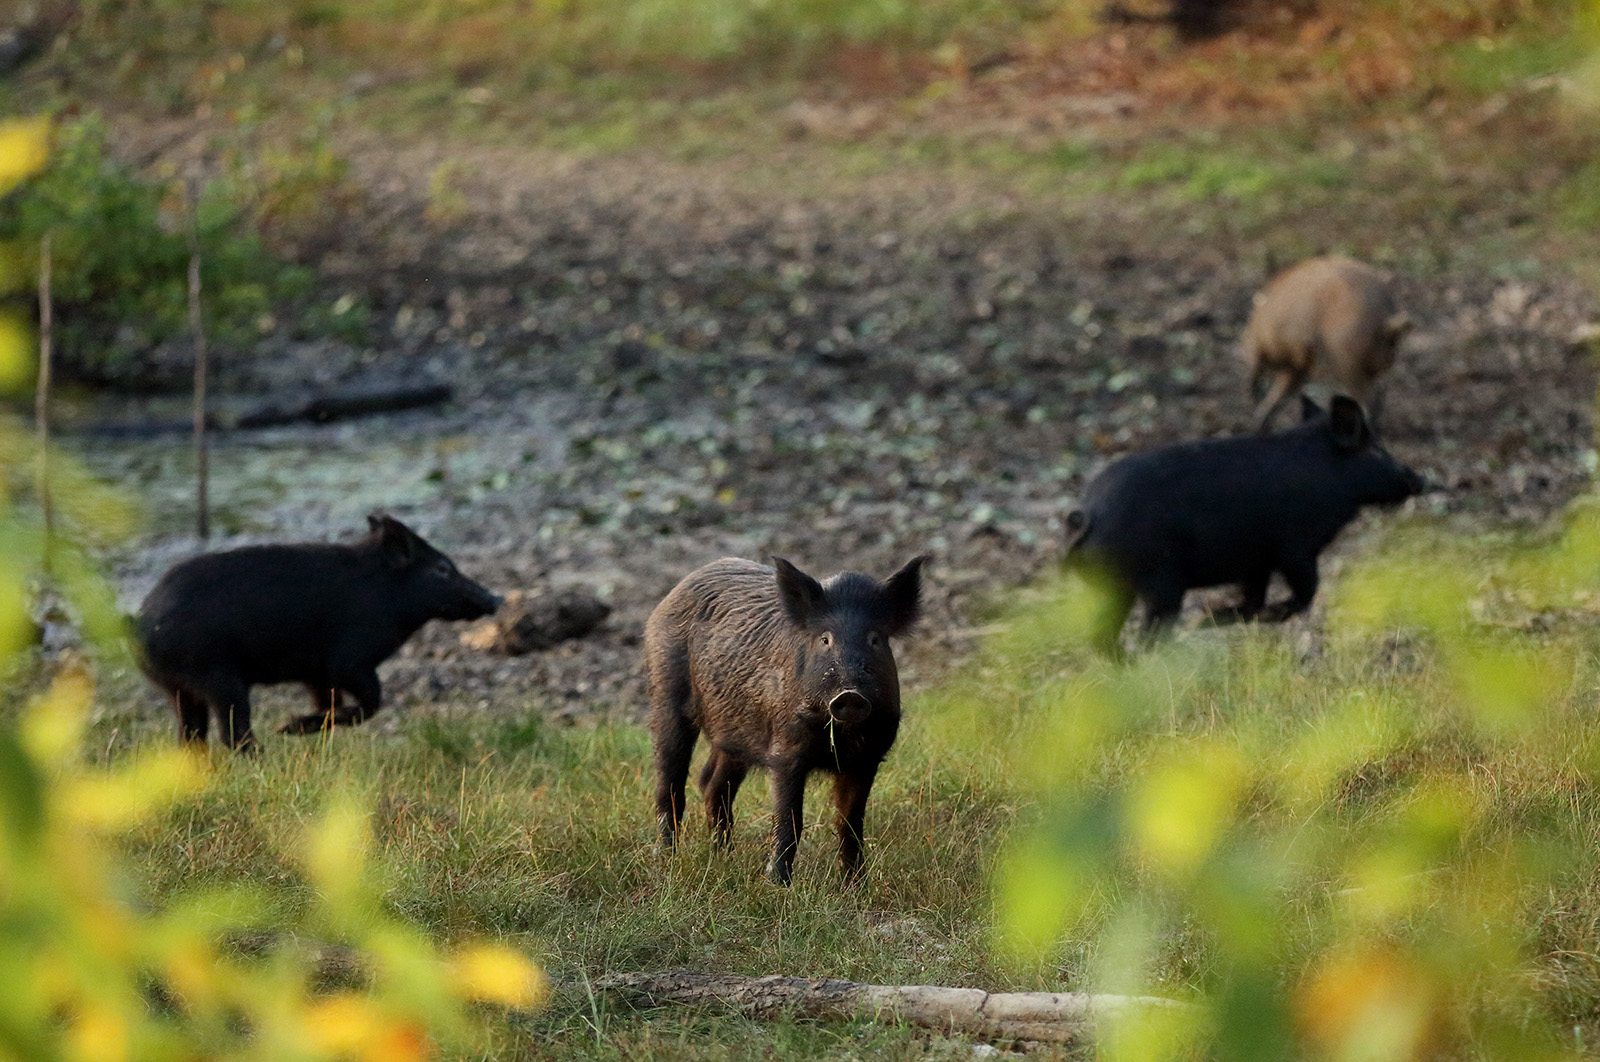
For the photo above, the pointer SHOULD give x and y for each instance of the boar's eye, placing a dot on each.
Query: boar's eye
(442, 566)
(874, 639)
(827, 639)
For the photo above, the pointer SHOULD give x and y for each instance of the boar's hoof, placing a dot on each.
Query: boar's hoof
(849, 707)
(307, 724)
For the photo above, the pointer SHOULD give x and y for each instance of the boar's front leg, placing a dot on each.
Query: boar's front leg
(1163, 600)
(368, 693)
(1112, 604)
(850, 792)
(1250, 604)
(789, 792)
(1301, 576)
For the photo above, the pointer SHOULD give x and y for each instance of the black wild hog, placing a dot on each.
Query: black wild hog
(322, 615)
(779, 671)
(1333, 318)
(1154, 525)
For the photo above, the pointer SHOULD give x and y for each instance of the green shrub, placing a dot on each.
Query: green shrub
(120, 247)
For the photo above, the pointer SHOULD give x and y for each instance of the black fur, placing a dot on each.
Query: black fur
(322, 615)
(1229, 511)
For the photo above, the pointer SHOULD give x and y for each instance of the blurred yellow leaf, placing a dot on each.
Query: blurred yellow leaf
(16, 629)
(1369, 1005)
(1506, 688)
(336, 852)
(491, 974)
(192, 972)
(349, 1025)
(1039, 892)
(129, 796)
(24, 149)
(16, 353)
(1428, 595)
(1180, 807)
(53, 727)
(99, 1034)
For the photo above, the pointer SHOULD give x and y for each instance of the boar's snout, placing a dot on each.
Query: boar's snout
(472, 601)
(849, 707)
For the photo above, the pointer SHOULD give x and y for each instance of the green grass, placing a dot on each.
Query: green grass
(543, 837)
(1417, 773)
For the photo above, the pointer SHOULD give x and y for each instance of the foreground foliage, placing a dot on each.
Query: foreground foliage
(95, 968)
(1380, 847)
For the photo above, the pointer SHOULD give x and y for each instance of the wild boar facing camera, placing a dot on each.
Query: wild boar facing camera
(323, 615)
(1219, 512)
(780, 671)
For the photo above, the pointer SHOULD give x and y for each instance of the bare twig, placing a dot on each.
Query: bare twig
(41, 398)
(197, 327)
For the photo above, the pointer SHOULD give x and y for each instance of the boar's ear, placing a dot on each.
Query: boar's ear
(1309, 410)
(802, 595)
(902, 597)
(398, 541)
(1348, 424)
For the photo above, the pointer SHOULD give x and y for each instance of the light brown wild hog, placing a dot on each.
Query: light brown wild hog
(1333, 318)
(783, 672)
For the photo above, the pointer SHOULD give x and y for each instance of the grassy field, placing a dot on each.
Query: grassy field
(1379, 841)
(1371, 838)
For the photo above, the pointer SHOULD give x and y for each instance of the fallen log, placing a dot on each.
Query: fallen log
(1049, 1017)
(530, 622)
(318, 407)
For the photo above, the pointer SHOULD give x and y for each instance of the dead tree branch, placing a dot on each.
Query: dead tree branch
(1050, 1017)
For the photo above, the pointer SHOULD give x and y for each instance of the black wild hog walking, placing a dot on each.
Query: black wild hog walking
(779, 671)
(1154, 525)
(1333, 318)
(319, 614)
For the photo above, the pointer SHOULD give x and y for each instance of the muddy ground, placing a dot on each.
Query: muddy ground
(660, 363)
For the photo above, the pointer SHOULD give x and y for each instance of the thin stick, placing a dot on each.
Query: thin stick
(196, 326)
(41, 399)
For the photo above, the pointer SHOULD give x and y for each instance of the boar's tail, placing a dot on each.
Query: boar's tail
(1077, 527)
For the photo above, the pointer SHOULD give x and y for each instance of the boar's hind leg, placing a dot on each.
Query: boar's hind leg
(850, 792)
(229, 698)
(1284, 383)
(194, 717)
(326, 703)
(719, 784)
(789, 792)
(672, 736)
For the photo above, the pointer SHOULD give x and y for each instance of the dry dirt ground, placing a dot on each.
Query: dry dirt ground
(659, 363)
